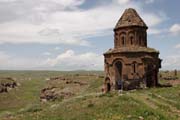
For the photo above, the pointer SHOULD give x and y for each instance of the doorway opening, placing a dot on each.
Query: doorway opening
(118, 75)
(149, 75)
(107, 85)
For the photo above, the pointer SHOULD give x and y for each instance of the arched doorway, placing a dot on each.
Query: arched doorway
(107, 85)
(118, 74)
(149, 75)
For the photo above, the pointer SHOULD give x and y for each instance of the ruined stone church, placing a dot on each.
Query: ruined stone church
(131, 64)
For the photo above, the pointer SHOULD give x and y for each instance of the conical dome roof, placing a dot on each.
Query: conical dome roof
(130, 18)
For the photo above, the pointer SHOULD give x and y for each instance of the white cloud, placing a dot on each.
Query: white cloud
(3, 58)
(68, 2)
(71, 60)
(177, 46)
(152, 19)
(20, 33)
(51, 22)
(122, 1)
(149, 1)
(8, 0)
(47, 53)
(125, 2)
(175, 29)
(18, 63)
(171, 62)
(57, 48)
(157, 31)
(154, 31)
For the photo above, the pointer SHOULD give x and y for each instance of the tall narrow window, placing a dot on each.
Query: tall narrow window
(140, 41)
(116, 39)
(134, 67)
(145, 39)
(131, 36)
(131, 40)
(123, 41)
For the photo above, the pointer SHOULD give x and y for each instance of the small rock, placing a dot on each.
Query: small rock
(141, 118)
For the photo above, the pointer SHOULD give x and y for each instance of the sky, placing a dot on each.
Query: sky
(74, 34)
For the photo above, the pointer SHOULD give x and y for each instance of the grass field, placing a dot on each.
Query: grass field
(23, 103)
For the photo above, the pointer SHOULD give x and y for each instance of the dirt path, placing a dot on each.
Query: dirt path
(157, 102)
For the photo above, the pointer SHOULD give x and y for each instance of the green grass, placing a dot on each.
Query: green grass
(22, 103)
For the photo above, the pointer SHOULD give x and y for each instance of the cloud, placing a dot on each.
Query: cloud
(149, 1)
(175, 29)
(122, 1)
(57, 48)
(8, 0)
(154, 31)
(33, 34)
(157, 31)
(62, 21)
(69, 60)
(177, 46)
(10, 62)
(152, 19)
(3, 58)
(67, 3)
(47, 53)
(73, 61)
(171, 62)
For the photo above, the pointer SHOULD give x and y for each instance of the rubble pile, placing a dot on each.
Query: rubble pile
(48, 94)
(6, 84)
(170, 78)
(59, 88)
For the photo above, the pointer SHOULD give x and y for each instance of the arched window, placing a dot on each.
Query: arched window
(145, 39)
(140, 41)
(107, 85)
(116, 36)
(131, 37)
(123, 41)
(116, 40)
(122, 37)
(134, 67)
(131, 40)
